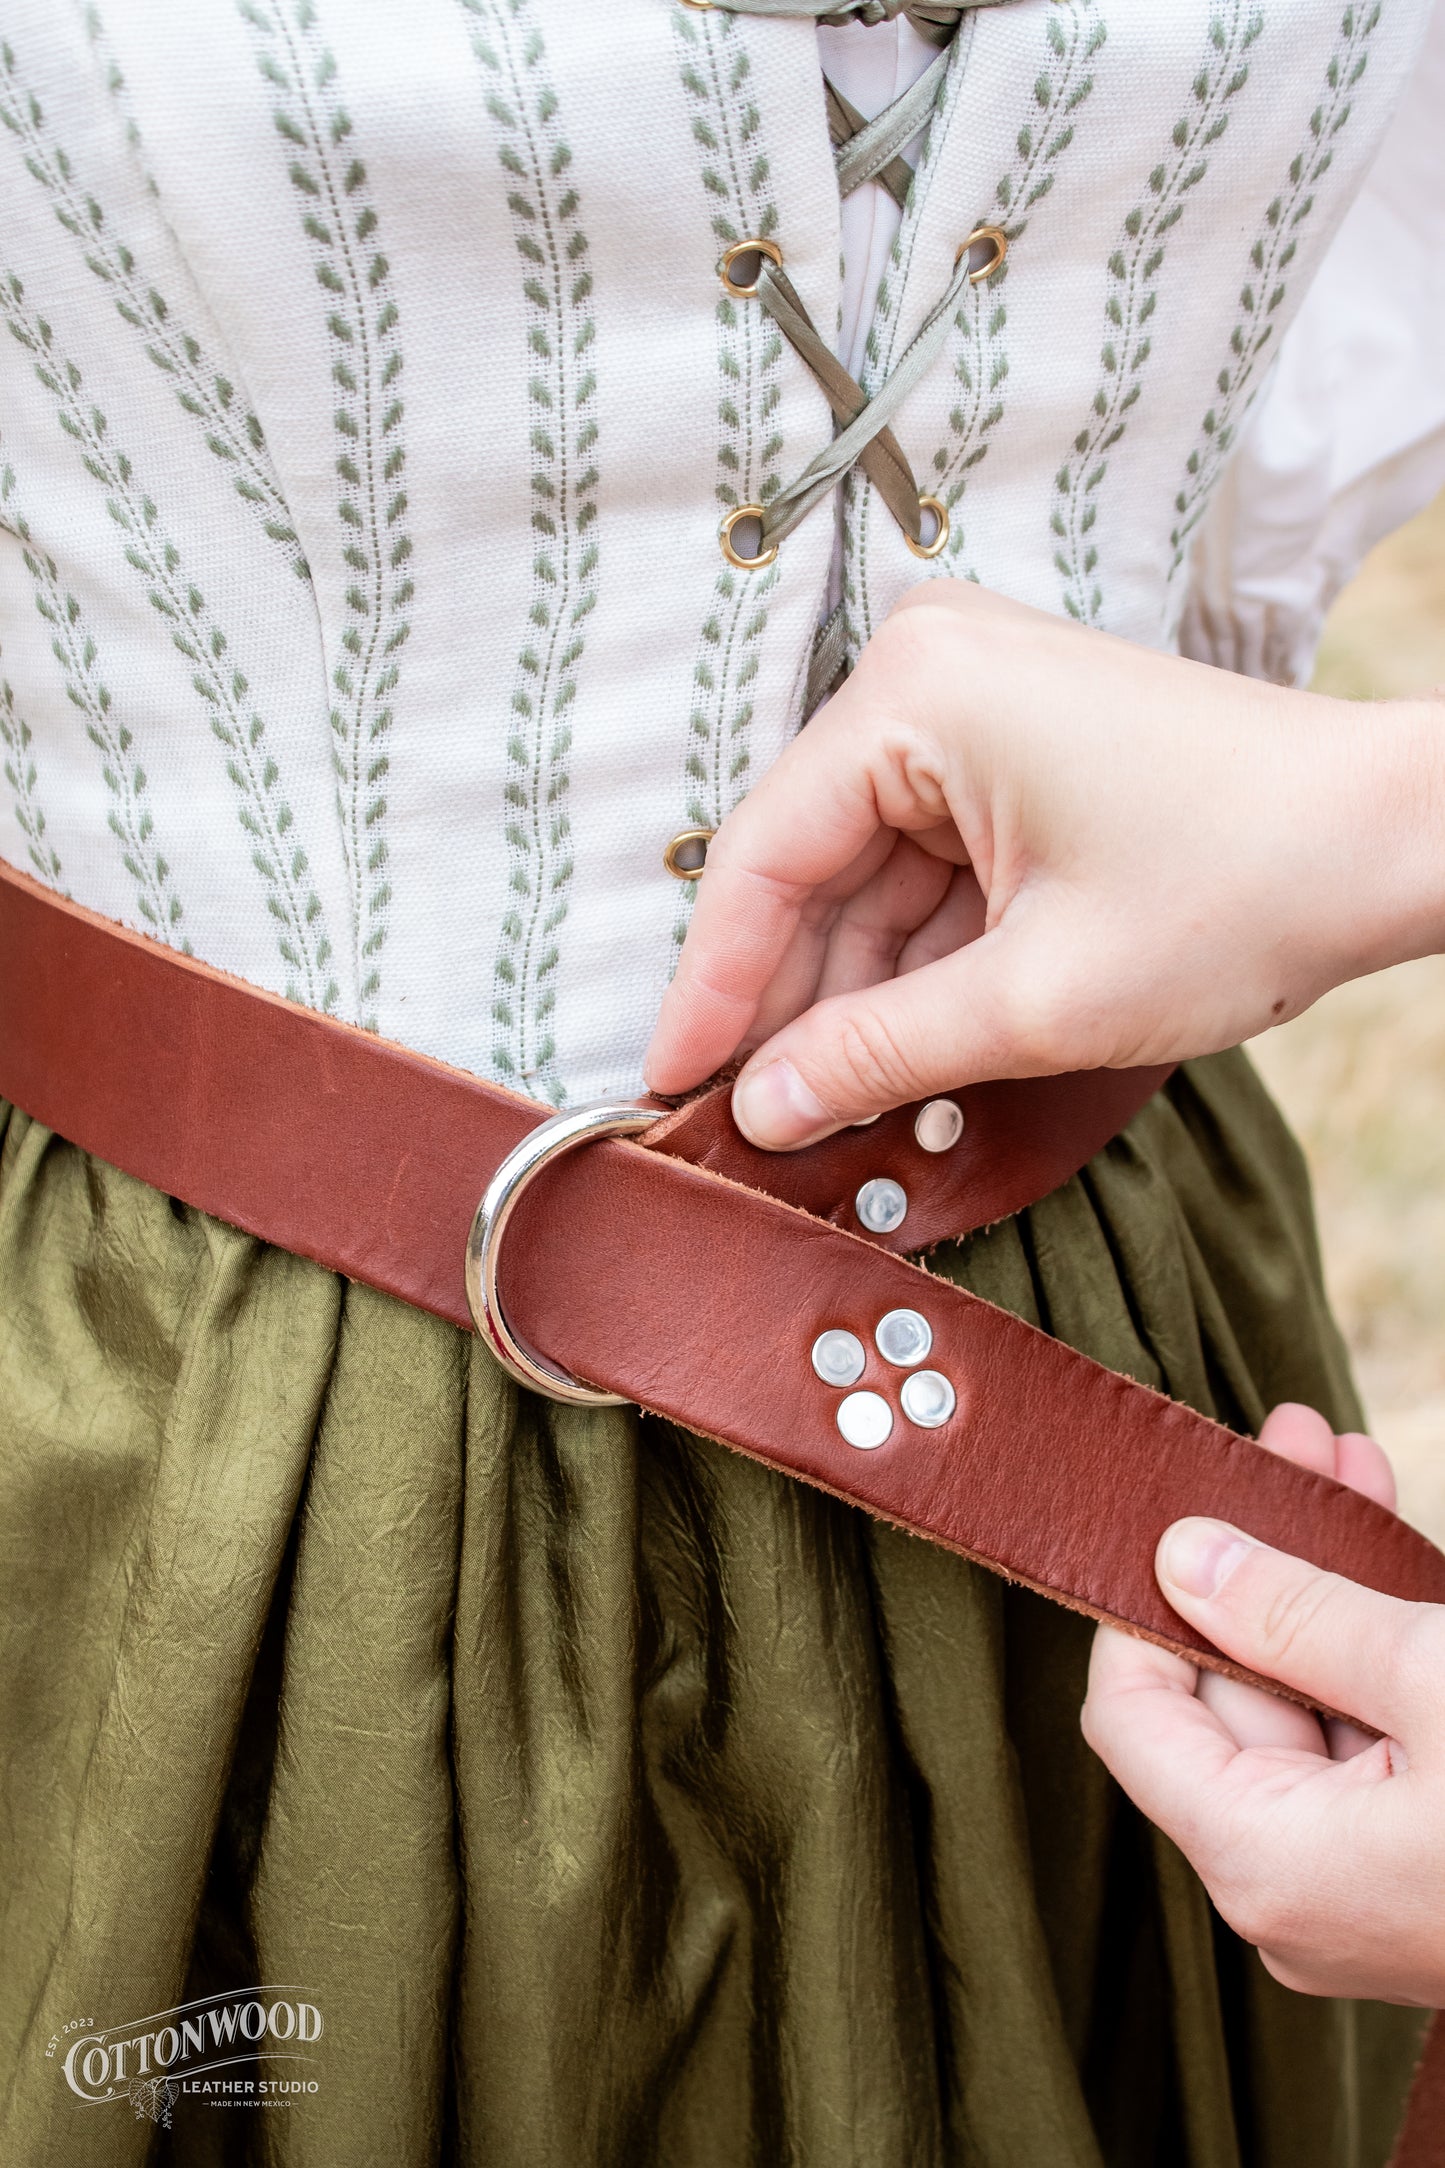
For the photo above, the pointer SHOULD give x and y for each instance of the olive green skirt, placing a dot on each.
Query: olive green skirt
(614, 1800)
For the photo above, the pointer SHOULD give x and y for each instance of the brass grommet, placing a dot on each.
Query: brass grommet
(936, 546)
(686, 856)
(725, 537)
(999, 240)
(733, 255)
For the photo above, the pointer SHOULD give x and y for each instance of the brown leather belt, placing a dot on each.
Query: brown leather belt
(686, 1271)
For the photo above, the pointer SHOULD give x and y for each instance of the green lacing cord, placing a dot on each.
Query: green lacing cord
(863, 151)
(867, 150)
(865, 438)
(935, 19)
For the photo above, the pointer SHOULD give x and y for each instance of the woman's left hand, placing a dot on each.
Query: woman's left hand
(1322, 1845)
(1011, 846)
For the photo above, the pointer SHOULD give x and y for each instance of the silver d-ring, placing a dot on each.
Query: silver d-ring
(548, 1141)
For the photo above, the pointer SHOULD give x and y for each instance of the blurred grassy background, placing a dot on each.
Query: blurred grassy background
(1362, 1075)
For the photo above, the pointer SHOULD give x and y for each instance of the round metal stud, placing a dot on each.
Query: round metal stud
(839, 1357)
(985, 248)
(881, 1205)
(903, 1338)
(735, 556)
(939, 1125)
(928, 1399)
(865, 1420)
(686, 856)
(935, 543)
(865, 1121)
(737, 258)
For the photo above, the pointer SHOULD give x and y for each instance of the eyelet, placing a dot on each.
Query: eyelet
(725, 537)
(736, 254)
(997, 239)
(936, 546)
(686, 856)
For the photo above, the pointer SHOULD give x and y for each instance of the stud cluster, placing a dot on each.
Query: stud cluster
(904, 1339)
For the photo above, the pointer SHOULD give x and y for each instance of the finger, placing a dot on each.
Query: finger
(1365, 1466)
(1119, 1663)
(1249, 1715)
(936, 1029)
(1302, 1435)
(794, 984)
(916, 909)
(1145, 1722)
(750, 930)
(1235, 1811)
(1253, 1717)
(873, 926)
(1341, 1645)
(960, 918)
(806, 823)
(850, 932)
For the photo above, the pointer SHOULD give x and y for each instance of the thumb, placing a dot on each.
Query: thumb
(947, 1024)
(1346, 1648)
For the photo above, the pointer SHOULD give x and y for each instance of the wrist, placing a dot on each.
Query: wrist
(1378, 841)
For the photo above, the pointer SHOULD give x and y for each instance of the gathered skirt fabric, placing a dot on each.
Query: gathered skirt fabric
(616, 1800)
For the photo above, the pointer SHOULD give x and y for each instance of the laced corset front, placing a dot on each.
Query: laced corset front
(377, 382)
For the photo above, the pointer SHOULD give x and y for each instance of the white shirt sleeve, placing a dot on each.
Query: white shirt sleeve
(1347, 439)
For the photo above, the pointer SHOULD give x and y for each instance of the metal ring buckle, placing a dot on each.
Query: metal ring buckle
(579, 1125)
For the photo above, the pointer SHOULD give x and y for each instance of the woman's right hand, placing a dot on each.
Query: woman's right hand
(1323, 1845)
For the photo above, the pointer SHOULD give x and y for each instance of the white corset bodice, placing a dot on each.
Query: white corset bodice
(371, 403)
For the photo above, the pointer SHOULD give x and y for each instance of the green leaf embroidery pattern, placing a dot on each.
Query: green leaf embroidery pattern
(340, 221)
(264, 813)
(737, 178)
(557, 284)
(1266, 284)
(129, 817)
(119, 89)
(882, 336)
(1133, 270)
(230, 432)
(1074, 36)
(21, 774)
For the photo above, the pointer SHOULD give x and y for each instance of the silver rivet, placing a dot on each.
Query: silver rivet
(881, 1205)
(866, 1420)
(838, 1357)
(928, 1399)
(939, 1125)
(903, 1338)
(865, 1121)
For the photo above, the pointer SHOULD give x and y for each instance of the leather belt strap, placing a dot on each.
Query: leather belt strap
(684, 1270)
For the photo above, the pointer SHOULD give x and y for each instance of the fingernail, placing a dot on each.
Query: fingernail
(1197, 1557)
(774, 1108)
